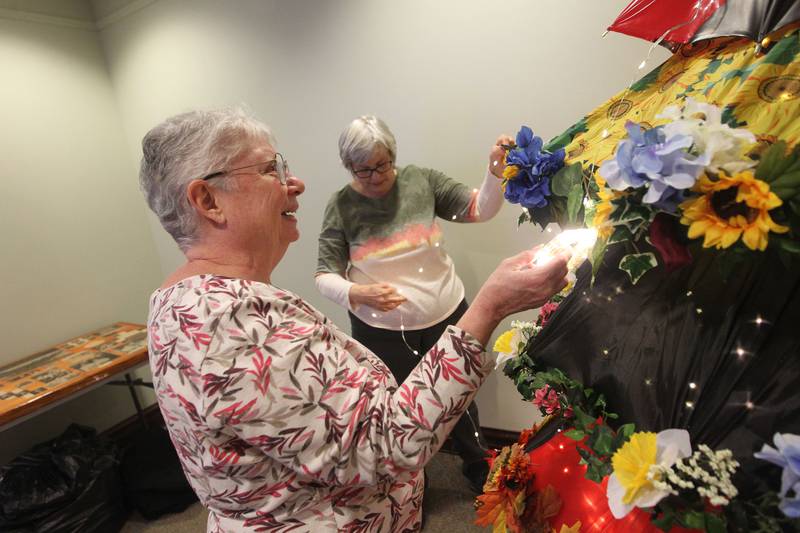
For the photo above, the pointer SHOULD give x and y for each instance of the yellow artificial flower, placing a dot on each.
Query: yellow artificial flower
(503, 342)
(632, 462)
(732, 207)
(510, 172)
(603, 210)
(628, 486)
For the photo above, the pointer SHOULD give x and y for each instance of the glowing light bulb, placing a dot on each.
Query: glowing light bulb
(689, 405)
(476, 435)
(699, 311)
(648, 382)
(416, 352)
(605, 351)
(560, 446)
(689, 293)
(759, 321)
(692, 385)
(436, 245)
(454, 217)
(740, 352)
(749, 405)
(566, 470)
(374, 315)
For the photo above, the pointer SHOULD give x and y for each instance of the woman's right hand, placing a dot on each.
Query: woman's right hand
(380, 296)
(515, 285)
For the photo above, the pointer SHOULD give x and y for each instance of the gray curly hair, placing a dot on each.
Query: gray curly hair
(361, 137)
(187, 147)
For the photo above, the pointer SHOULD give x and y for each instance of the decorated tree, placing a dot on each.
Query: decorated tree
(669, 372)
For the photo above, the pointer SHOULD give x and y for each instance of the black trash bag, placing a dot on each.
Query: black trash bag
(154, 481)
(68, 484)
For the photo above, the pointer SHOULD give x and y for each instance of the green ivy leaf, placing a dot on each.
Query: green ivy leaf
(574, 202)
(716, 523)
(786, 244)
(604, 441)
(694, 520)
(622, 233)
(637, 265)
(596, 257)
(566, 178)
(523, 217)
(582, 418)
(626, 430)
(575, 434)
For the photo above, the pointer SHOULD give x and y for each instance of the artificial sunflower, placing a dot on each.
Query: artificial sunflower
(730, 208)
(602, 211)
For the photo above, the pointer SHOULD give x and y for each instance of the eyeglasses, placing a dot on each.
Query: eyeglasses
(278, 167)
(366, 173)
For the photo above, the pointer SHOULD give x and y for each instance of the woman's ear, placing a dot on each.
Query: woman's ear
(204, 201)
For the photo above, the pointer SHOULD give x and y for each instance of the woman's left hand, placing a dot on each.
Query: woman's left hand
(497, 156)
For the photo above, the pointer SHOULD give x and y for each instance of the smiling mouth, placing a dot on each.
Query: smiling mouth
(288, 214)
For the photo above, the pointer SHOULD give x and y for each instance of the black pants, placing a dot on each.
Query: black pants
(389, 346)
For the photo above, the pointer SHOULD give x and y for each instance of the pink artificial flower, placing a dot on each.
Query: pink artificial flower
(546, 399)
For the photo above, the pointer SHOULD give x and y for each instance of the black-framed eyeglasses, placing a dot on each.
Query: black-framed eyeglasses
(366, 173)
(277, 167)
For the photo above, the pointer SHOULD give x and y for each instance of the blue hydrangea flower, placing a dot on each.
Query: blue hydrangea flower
(660, 163)
(531, 186)
(787, 456)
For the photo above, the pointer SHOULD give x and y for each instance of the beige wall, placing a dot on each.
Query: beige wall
(448, 76)
(76, 250)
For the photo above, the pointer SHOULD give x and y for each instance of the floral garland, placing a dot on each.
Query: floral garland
(698, 172)
(659, 473)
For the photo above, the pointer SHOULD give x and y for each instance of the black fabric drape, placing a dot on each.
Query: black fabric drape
(644, 345)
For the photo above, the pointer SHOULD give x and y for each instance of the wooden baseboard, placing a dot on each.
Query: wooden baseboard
(123, 432)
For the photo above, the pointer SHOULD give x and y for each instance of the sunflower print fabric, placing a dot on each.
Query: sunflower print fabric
(759, 90)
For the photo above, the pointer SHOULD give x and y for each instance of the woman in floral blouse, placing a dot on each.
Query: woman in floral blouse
(281, 421)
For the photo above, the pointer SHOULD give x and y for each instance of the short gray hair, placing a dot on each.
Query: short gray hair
(359, 140)
(187, 147)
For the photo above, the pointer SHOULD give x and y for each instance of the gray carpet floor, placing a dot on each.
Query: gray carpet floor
(448, 505)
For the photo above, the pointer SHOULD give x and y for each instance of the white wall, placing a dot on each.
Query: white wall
(76, 250)
(447, 76)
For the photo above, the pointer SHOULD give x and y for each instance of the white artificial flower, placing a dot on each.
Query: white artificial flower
(719, 146)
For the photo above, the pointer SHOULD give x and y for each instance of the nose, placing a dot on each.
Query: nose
(295, 185)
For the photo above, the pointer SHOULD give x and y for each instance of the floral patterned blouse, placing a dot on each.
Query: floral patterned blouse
(284, 423)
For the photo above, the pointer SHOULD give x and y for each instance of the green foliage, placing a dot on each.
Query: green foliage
(566, 179)
(637, 265)
(574, 203)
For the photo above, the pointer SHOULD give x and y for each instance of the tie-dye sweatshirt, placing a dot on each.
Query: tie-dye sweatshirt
(396, 239)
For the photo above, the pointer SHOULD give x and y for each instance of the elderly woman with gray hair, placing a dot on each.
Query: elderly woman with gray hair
(281, 421)
(382, 257)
